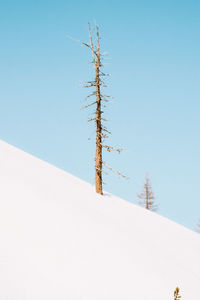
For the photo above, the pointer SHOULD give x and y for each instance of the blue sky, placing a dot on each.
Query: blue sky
(154, 63)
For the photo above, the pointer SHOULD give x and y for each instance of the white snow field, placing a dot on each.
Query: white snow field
(59, 240)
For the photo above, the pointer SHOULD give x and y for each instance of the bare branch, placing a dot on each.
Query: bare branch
(91, 95)
(88, 84)
(102, 171)
(114, 171)
(85, 44)
(104, 74)
(98, 46)
(105, 136)
(109, 148)
(86, 106)
(91, 44)
(103, 119)
(106, 96)
(106, 130)
(91, 119)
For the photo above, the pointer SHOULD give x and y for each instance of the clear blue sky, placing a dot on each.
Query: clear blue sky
(154, 64)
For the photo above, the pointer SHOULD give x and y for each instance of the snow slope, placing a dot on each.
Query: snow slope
(60, 240)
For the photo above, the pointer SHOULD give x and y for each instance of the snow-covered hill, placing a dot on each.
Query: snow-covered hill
(59, 240)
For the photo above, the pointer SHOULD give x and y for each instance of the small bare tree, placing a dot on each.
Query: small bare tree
(99, 101)
(146, 197)
(176, 294)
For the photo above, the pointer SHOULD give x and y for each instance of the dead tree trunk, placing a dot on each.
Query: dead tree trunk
(101, 131)
(98, 156)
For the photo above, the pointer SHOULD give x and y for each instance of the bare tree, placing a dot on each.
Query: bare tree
(176, 294)
(146, 197)
(102, 132)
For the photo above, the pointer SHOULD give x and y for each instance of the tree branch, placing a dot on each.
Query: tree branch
(114, 171)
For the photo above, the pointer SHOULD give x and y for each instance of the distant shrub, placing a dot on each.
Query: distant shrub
(176, 294)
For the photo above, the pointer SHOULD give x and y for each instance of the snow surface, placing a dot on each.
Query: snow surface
(60, 240)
